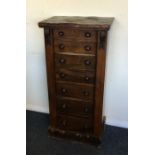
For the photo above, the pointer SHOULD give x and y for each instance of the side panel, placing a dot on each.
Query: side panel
(100, 73)
(50, 74)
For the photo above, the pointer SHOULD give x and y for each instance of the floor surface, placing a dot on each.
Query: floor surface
(115, 140)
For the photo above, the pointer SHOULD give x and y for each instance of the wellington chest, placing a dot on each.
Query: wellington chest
(75, 62)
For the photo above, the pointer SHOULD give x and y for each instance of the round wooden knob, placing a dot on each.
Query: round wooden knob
(85, 126)
(61, 33)
(87, 34)
(87, 48)
(62, 75)
(61, 46)
(62, 61)
(85, 93)
(78, 135)
(87, 136)
(86, 109)
(64, 106)
(87, 62)
(64, 122)
(63, 90)
(86, 78)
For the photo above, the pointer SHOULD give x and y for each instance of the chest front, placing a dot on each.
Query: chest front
(75, 61)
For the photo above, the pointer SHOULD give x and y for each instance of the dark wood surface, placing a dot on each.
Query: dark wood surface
(75, 90)
(70, 61)
(80, 108)
(100, 75)
(69, 35)
(50, 68)
(79, 76)
(75, 47)
(71, 123)
(75, 60)
(78, 22)
(75, 135)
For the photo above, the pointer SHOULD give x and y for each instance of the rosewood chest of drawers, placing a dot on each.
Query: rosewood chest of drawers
(75, 62)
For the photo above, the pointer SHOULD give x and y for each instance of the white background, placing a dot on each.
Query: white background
(116, 82)
(13, 78)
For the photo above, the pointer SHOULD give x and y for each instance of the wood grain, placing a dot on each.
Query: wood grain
(96, 23)
(70, 61)
(75, 90)
(99, 87)
(79, 76)
(75, 35)
(74, 107)
(50, 68)
(74, 123)
(74, 47)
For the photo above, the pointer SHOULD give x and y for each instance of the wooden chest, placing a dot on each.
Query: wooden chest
(75, 61)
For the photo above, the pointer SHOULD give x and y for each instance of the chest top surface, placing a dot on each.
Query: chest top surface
(78, 22)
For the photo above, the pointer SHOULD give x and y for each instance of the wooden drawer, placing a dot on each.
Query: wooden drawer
(75, 35)
(75, 61)
(74, 90)
(80, 76)
(73, 47)
(74, 123)
(74, 107)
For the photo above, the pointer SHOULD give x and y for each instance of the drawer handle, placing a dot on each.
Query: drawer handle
(85, 93)
(64, 122)
(78, 135)
(86, 126)
(61, 46)
(63, 91)
(62, 75)
(86, 78)
(86, 109)
(64, 106)
(62, 61)
(61, 33)
(87, 34)
(87, 62)
(87, 48)
(88, 136)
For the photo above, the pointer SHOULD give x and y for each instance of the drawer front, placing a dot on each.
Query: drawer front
(81, 91)
(74, 107)
(75, 47)
(75, 61)
(75, 35)
(80, 76)
(74, 123)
